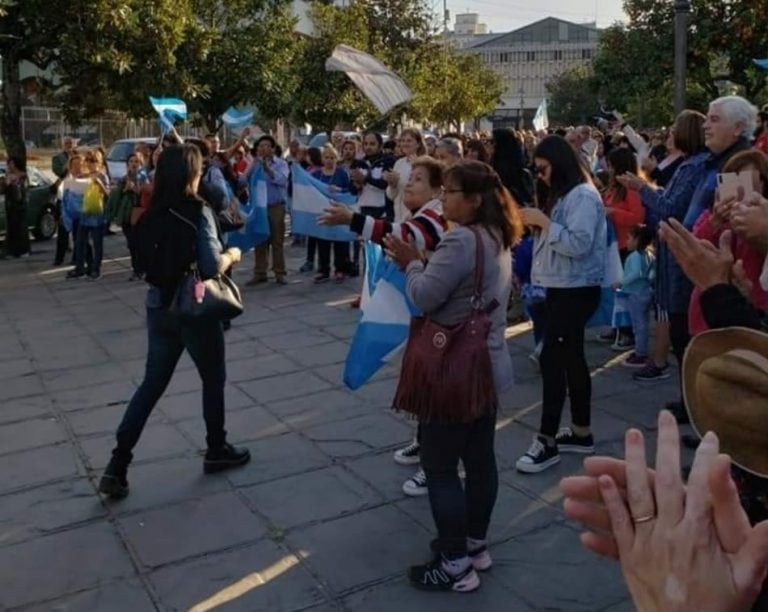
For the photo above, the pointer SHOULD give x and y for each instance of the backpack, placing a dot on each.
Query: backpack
(166, 246)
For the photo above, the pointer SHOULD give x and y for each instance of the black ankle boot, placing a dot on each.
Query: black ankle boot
(224, 458)
(114, 482)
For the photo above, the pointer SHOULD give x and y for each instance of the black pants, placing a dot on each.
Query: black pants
(460, 513)
(168, 337)
(17, 229)
(340, 256)
(311, 249)
(563, 362)
(130, 239)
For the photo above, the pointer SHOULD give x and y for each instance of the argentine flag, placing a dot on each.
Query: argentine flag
(236, 119)
(256, 228)
(72, 191)
(169, 110)
(613, 272)
(385, 321)
(310, 198)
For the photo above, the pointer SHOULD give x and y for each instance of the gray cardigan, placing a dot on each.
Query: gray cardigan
(442, 289)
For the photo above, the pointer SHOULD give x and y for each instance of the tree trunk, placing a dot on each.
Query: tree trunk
(10, 114)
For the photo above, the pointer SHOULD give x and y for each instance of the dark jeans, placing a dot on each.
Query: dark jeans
(311, 249)
(340, 256)
(85, 235)
(130, 238)
(460, 514)
(563, 362)
(168, 337)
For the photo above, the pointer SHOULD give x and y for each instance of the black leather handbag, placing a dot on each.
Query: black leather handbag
(216, 298)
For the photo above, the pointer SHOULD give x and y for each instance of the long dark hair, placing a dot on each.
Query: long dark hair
(621, 161)
(498, 210)
(567, 171)
(479, 148)
(508, 162)
(176, 171)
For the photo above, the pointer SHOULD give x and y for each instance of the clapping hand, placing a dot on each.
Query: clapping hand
(630, 181)
(337, 214)
(749, 218)
(701, 261)
(401, 252)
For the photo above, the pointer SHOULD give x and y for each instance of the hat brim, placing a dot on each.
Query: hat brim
(710, 344)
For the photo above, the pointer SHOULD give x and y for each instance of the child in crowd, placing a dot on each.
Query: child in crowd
(637, 282)
(534, 296)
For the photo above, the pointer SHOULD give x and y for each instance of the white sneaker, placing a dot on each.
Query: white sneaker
(408, 455)
(416, 485)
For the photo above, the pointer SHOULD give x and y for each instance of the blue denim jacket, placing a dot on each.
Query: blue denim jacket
(572, 253)
(209, 250)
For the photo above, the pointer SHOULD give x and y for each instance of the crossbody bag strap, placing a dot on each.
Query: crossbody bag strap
(477, 292)
(193, 265)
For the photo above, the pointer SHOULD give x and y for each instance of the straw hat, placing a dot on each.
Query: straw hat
(725, 387)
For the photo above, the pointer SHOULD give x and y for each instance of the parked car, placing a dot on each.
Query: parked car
(119, 152)
(41, 209)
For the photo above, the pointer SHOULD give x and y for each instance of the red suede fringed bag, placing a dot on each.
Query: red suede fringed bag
(446, 375)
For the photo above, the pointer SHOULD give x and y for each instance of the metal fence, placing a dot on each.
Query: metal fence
(44, 127)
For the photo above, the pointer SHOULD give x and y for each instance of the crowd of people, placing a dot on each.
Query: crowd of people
(472, 219)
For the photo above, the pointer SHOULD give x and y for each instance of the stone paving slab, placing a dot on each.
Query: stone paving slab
(317, 521)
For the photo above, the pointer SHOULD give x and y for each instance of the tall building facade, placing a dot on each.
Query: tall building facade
(527, 59)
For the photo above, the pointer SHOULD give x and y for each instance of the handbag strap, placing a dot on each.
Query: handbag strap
(477, 292)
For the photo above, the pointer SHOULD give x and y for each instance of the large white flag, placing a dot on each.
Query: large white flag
(540, 119)
(377, 82)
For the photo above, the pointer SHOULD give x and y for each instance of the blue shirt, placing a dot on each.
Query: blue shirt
(637, 267)
(339, 178)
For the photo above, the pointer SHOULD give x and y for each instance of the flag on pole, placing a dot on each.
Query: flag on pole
(386, 317)
(377, 82)
(237, 119)
(256, 228)
(310, 198)
(169, 110)
(541, 119)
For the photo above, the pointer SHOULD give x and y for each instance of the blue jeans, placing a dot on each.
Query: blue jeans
(82, 246)
(639, 311)
(537, 312)
(168, 337)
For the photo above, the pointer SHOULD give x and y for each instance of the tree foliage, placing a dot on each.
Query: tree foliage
(573, 97)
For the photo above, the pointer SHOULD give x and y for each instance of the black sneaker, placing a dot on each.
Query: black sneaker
(433, 577)
(408, 455)
(569, 442)
(225, 458)
(539, 457)
(651, 373)
(114, 482)
(679, 412)
(75, 274)
(480, 557)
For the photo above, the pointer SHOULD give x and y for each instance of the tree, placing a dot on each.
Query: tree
(235, 53)
(451, 87)
(573, 97)
(114, 47)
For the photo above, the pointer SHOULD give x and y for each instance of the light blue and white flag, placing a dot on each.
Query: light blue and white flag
(310, 198)
(386, 317)
(256, 228)
(613, 273)
(541, 118)
(72, 191)
(761, 63)
(169, 111)
(237, 119)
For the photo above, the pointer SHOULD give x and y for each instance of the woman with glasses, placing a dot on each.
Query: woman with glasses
(569, 253)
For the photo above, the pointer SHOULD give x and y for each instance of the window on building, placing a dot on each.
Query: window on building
(530, 56)
(558, 55)
(586, 54)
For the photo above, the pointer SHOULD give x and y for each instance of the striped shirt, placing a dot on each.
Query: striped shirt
(425, 227)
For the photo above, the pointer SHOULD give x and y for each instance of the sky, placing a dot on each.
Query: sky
(506, 15)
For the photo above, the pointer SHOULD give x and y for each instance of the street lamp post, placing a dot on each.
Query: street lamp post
(682, 10)
(521, 91)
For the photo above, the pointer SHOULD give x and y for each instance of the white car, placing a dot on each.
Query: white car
(119, 152)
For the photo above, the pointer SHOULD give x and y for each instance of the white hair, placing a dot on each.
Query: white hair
(452, 146)
(738, 111)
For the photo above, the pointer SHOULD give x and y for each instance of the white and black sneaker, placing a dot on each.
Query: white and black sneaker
(569, 442)
(434, 577)
(539, 457)
(408, 455)
(416, 485)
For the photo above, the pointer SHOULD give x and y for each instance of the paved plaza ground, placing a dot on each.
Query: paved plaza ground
(317, 521)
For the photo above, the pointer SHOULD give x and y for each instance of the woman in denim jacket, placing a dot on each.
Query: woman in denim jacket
(569, 261)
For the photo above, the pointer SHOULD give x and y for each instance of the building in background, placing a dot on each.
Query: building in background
(527, 58)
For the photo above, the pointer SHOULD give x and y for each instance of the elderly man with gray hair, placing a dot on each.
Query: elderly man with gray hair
(449, 151)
